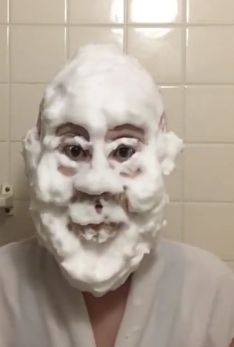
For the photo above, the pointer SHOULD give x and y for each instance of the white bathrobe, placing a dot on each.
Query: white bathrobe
(181, 296)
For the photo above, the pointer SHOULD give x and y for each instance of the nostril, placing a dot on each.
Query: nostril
(98, 207)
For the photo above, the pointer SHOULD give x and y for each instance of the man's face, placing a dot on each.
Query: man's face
(96, 176)
(99, 174)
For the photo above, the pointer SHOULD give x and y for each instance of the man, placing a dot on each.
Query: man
(100, 275)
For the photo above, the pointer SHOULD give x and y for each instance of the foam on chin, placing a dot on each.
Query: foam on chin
(92, 267)
(99, 267)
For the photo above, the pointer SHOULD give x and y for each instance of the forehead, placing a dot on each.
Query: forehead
(104, 102)
(95, 117)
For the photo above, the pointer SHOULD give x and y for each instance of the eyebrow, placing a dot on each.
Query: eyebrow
(71, 129)
(125, 130)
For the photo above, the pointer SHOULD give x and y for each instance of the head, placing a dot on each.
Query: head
(96, 162)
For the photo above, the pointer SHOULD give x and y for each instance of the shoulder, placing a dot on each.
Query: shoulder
(18, 250)
(18, 259)
(207, 284)
(195, 266)
(192, 257)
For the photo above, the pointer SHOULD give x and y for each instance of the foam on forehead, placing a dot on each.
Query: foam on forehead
(101, 79)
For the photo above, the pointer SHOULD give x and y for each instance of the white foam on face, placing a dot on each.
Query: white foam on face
(98, 215)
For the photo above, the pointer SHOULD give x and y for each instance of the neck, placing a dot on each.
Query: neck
(110, 297)
(106, 313)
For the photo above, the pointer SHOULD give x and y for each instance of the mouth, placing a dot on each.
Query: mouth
(98, 233)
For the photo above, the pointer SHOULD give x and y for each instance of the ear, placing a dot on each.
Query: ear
(163, 122)
(41, 108)
(168, 147)
(173, 146)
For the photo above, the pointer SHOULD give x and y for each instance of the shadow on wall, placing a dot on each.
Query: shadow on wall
(18, 226)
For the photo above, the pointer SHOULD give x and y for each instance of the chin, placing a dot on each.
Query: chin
(92, 266)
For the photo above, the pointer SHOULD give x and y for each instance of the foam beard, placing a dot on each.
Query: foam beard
(98, 239)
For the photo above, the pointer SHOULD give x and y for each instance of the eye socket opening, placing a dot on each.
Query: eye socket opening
(75, 152)
(123, 152)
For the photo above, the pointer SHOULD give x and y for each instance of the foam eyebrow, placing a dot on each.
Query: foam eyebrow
(71, 129)
(125, 130)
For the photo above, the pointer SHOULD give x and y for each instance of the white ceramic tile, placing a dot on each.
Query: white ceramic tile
(209, 114)
(210, 226)
(4, 160)
(210, 11)
(174, 218)
(25, 100)
(79, 36)
(4, 112)
(155, 11)
(18, 177)
(4, 54)
(37, 52)
(210, 54)
(160, 51)
(102, 11)
(174, 182)
(33, 11)
(173, 98)
(18, 226)
(4, 11)
(209, 173)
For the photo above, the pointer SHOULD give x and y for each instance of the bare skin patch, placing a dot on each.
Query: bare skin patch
(67, 171)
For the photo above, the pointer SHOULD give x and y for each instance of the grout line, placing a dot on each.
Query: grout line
(225, 202)
(10, 178)
(66, 29)
(210, 202)
(184, 62)
(206, 202)
(66, 12)
(125, 28)
(8, 11)
(161, 85)
(137, 25)
(66, 42)
(187, 9)
(116, 25)
(208, 144)
(67, 4)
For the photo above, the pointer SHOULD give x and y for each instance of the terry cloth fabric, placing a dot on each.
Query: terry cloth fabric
(180, 296)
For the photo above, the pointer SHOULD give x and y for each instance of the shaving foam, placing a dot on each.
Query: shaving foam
(99, 216)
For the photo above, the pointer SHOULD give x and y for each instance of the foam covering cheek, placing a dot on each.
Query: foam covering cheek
(102, 218)
(147, 188)
(52, 186)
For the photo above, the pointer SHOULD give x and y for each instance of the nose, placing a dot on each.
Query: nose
(98, 182)
(99, 178)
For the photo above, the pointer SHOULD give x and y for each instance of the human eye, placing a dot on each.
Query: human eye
(75, 152)
(123, 152)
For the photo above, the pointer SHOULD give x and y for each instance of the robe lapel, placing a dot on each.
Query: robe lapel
(140, 302)
(72, 319)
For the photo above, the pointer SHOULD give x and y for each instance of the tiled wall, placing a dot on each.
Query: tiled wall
(189, 48)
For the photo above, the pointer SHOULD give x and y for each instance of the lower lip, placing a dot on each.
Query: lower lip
(78, 227)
